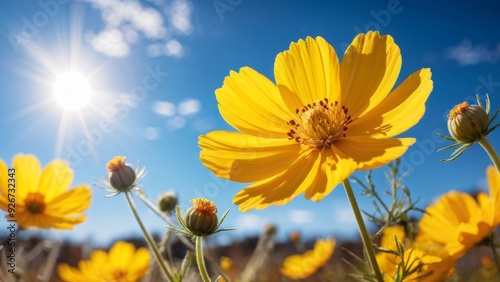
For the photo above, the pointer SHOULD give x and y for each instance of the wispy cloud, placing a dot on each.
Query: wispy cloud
(178, 114)
(249, 222)
(159, 23)
(301, 216)
(468, 54)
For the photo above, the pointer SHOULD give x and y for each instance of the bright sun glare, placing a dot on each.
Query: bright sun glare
(72, 91)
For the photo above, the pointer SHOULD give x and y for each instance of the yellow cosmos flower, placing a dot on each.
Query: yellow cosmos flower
(305, 265)
(42, 198)
(322, 119)
(459, 222)
(428, 261)
(123, 263)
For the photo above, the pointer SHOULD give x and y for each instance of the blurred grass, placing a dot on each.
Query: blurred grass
(34, 261)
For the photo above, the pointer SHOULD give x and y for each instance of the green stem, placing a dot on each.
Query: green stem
(362, 230)
(183, 238)
(199, 259)
(491, 152)
(494, 251)
(148, 238)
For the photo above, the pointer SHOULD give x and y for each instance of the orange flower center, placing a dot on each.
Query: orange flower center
(458, 110)
(35, 203)
(319, 124)
(116, 163)
(119, 275)
(204, 206)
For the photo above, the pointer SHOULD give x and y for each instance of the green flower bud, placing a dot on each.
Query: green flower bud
(201, 219)
(121, 175)
(468, 123)
(167, 202)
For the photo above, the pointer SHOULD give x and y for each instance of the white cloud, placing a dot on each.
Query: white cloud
(249, 222)
(177, 122)
(173, 48)
(111, 42)
(344, 215)
(301, 216)
(164, 108)
(180, 16)
(467, 54)
(154, 50)
(190, 106)
(152, 133)
(125, 21)
(203, 125)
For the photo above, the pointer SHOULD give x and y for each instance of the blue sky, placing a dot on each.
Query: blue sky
(154, 65)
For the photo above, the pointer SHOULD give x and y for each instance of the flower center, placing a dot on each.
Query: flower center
(204, 206)
(319, 124)
(119, 275)
(116, 163)
(35, 203)
(458, 110)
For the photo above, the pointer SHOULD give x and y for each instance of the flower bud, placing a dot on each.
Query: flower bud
(294, 236)
(167, 202)
(201, 219)
(468, 123)
(270, 229)
(121, 175)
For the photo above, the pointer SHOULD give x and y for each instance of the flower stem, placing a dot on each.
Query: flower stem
(491, 152)
(494, 251)
(362, 230)
(183, 238)
(199, 259)
(148, 238)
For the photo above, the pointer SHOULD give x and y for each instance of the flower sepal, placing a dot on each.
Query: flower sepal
(467, 125)
(192, 228)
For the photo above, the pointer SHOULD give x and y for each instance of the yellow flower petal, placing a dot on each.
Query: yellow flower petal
(56, 178)
(368, 72)
(27, 174)
(4, 187)
(245, 158)
(370, 153)
(307, 72)
(399, 111)
(283, 187)
(121, 254)
(494, 184)
(308, 263)
(457, 221)
(122, 263)
(334, 169)
(250, 102)
(73, 201)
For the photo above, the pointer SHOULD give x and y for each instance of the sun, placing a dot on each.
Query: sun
(72, 91)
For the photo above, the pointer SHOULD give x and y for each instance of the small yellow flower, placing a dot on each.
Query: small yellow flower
(427, 260)
(321, 121)
(123, 263)
(227, 265)
(302, 266)
(42, 197)
(459, 222)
